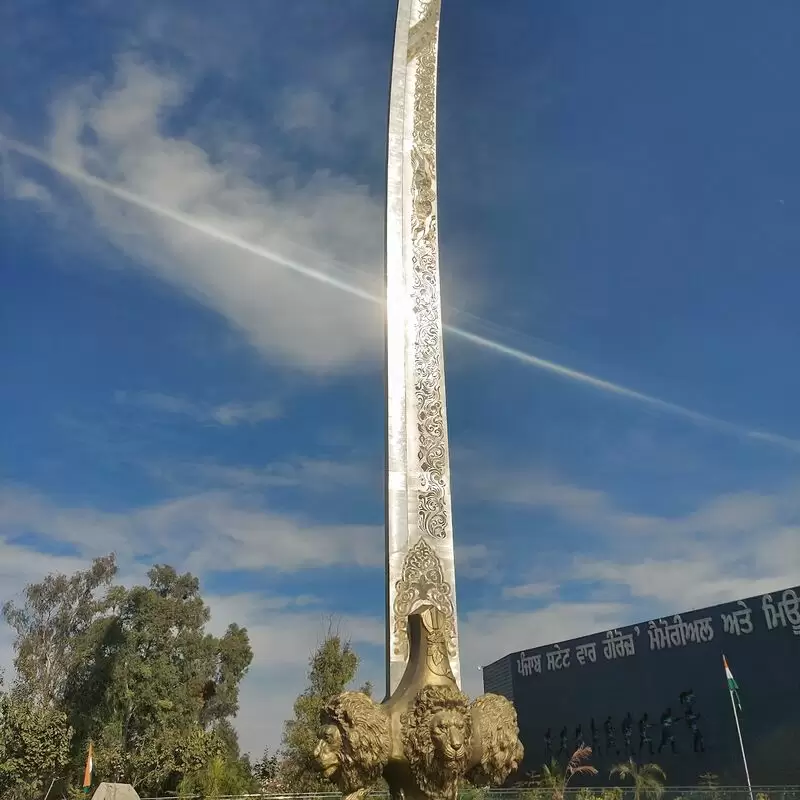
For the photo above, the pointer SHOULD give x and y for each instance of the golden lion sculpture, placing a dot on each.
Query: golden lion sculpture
(495, 719)
(355, 743)
(437, 740)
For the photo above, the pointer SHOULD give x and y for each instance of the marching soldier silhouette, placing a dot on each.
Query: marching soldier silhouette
(611, 738)
(627, 732)
(667, 734)
(698, 745)
(644, 734)
(563, 743)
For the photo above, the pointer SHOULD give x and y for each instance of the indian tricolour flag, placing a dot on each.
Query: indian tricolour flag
(87, 773)
(733, 687)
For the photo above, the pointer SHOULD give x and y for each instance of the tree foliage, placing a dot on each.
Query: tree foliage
(557, 776)
(648, 779)
(135, 671)
(331, 669)
(34, 744)
(50, 624)
(267, 772)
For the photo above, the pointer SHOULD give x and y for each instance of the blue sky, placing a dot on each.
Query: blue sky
(617, 197)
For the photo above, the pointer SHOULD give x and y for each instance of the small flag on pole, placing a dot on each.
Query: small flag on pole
(733, 687)
(87, 773)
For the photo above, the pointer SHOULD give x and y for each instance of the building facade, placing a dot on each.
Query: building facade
(657, 692)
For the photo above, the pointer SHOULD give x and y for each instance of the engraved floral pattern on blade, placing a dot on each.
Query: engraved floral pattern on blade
(428, 369)
(422, 580)
(424, 31)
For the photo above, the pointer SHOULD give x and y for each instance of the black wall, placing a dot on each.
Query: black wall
(765, 663)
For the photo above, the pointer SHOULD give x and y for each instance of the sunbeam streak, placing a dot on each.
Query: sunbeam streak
(696, 417)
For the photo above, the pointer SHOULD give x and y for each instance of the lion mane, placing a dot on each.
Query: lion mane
(436, 774)
(366, 740)
(501, 752)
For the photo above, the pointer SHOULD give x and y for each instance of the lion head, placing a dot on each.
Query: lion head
(501, 751)
(355, 742)
(437, 737)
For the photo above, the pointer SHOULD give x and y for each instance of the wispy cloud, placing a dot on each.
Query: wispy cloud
(172, 179)
(730, 546)
(70, 159)
(229, 414)
(206, 531)
(631, 568)
(539, 590)
(312, 476)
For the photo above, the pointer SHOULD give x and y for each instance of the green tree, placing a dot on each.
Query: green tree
(708, 779)
(266, 772)
(34, 744)
(648, 779)
(556, 776)
(50, 624)
(218, 777)
(159, 762)
(154, 685)
(135, 671)
(331, 669)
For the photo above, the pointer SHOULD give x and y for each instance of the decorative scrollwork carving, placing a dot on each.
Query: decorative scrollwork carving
(428, 370)
(422, 581)
(424, 32)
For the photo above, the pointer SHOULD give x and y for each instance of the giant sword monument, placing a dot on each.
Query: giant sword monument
(425, 737)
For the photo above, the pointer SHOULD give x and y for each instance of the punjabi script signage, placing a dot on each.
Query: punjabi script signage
(665, 635)
(784, 613)
(779, 612)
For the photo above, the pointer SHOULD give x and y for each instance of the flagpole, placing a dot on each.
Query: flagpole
(741, 745)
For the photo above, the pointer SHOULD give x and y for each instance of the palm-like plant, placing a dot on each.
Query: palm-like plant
(556, 776)
(648, 779)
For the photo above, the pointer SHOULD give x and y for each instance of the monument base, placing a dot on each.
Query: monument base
(115, 791)
(424, 739)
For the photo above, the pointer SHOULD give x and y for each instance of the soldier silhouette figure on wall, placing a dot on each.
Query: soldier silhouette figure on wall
(645, 741)
(698, 745)
(691, 717)
(627, 732)
(611, 738)
(548, 746)
(562, 746)
(667, 732)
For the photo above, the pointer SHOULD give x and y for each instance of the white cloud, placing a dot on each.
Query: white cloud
(734, 545)
(313, 475)
(287, 317)
(530, 590)
(211, 530)
(26, 189)
(229, 414)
